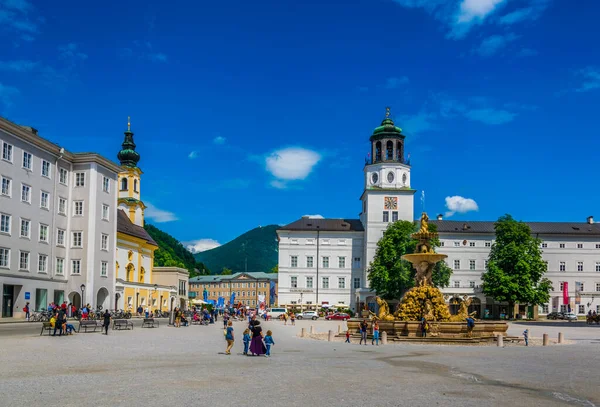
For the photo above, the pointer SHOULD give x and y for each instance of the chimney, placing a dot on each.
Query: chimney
(440, 217)
(590, 220)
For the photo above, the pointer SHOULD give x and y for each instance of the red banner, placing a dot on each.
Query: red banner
(565, 293)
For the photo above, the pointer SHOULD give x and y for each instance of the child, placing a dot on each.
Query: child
(347, 336)
(246, 341)
(526, 337)
(268, 342)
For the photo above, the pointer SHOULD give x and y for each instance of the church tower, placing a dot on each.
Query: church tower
(387, 195)
(129, 180)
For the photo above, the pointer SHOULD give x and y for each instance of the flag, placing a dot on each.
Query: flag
(232, 299)
(205, 295)
(565, 293)
(272, 293)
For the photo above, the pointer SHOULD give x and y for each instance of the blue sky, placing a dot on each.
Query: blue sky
(253, 113)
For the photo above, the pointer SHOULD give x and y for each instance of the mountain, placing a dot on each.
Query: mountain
(171, 252)
(255, 250)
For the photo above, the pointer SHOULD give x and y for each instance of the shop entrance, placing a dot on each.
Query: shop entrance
(8, 294)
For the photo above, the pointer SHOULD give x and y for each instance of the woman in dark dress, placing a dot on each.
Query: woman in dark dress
(257, 347)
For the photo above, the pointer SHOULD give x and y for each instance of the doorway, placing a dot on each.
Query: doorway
(8, 301)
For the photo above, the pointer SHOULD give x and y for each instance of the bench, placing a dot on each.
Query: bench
(150, 323)
(88, 324)
(46, 326)
(122, 324)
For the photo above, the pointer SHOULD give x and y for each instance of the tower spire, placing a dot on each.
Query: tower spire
(128, 123)
(387, 112)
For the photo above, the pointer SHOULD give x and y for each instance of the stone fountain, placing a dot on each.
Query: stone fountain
(426, 301)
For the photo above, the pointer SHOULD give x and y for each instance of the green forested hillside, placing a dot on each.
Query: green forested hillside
(257, 247)
(171, 253)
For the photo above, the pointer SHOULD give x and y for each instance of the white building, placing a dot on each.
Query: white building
(325, 261)
(58, 223)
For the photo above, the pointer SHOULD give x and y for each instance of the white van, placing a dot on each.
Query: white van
(275, 313)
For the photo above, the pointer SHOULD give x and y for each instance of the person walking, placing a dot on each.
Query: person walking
(246, 341)
(293, 318)
(375, 340)
(526, 337)
(106, 324)
(26, 311)
(347, 336)
(257, 347)
(178, 317)
(268, 342)
(229, 338)
(225, 320)
(363, 332)
(424, 327)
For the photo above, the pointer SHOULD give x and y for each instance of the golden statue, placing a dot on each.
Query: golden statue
(384, 311)
(424, 225)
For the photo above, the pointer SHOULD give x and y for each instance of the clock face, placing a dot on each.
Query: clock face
(390, 202)
(404, 178)
(374, 178)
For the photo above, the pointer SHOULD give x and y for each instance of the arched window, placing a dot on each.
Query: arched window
(378, 151)
(135, 185)
(129, 272)
(123, 184)
(389, 153)
(142, 272)
(399, 152)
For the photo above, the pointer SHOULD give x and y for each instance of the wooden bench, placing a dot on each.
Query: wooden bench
(88, 324)
(46, 326)
(150, 323)
(122, 324)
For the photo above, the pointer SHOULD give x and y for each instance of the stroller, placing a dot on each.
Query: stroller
(206, 318)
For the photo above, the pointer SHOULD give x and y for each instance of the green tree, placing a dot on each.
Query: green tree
(275, 269)
(440, 276)
(515, 270)
(226, 272)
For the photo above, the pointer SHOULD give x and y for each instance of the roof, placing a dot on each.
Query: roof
(218, 278)
(544, 228)
(329, 225)
(125, 226)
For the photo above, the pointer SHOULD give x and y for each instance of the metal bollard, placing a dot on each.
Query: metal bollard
(303, 332)
(500, 341)
(561, 337)
(384, 338)
(312, 329)
(545, 340)
(330, 336)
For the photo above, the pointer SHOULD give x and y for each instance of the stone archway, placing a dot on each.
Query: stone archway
(75, 299)
(102, 298)
(454, 305)
(475, 306)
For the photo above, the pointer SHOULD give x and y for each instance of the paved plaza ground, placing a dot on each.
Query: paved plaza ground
(181, 367)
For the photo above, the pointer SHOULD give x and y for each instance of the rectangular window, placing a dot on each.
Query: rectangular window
(456, 264)
(471, 264)
(394, 216)
(342, 262)
(294, 241)
(310, 241)
(326, 282)
(597, 287)
(27, 158)
(563, 308)
(24, 261)
(6, 187)
(486, 263)
(80, 179)
(60, 266)
(309, 261)
(341, 282)
(488, 244)
(294, 262)
(25, 193)
(105, 184)
(457, 284)
(356, 282)
(7, 152)
(386, 216)
(325, 262)
(561, 245)
(62, 206)
(25, 228)
(580, 245)
(293, 282)
(75, 266)
(44, 200)
(597, 245)
(562, 266)
(45, 169)
(43, 233)
(598, 266)
(471, 284)
(544, 245)
(562, 286)
(5, 221)
(579, 266)
(456, 244)
(103, 269)
(471, 244)
(356, 263)
(545, 308)
(442, 243)
(579, 286)
(4, 257)
(104, 242)
(581, 309)
(78, 208)
(77, 240)
(63, 176)
(42, 263)
(309, 282)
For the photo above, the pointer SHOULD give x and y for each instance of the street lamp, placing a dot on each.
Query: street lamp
(82, 287)
(155, 287)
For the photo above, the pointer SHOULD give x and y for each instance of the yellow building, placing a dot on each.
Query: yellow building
(135, 286)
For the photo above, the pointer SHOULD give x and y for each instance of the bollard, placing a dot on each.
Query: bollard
(303, 332)
(384, 338)
(500, 341)
(561, 337)
(312, 329)
(545, 340)
(339, 329)
(330, 336)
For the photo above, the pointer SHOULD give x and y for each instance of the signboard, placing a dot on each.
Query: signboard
(27, 295)
(300, 290)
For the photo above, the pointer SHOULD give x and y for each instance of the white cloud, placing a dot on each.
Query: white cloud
(494, 43)
(314, 216)
(292, 163)
(458, 204)
(278, 184)
(193, 155)
(490, 116)
(200, 245)
(158, 57)
(219, 140)
(70, 51)
(158, 215)
(476, 9)
(18, 66)
(591, 79)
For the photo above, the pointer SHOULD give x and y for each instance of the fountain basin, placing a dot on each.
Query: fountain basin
(412, 329)
(430, 258)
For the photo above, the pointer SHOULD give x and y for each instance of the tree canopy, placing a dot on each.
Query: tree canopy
(389, 275)
(515, 270)
(226, 272)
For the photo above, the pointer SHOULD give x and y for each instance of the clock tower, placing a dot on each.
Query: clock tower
(129, 180)
(387, 195)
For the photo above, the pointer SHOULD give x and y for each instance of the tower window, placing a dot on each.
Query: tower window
(389, 150)
(123, 184)
(135, 185)
(399, 157)
(378, 151)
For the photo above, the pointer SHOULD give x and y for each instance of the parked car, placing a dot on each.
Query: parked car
(570, 317)
(275, 313)
(555, 315)
(308, 315)
(338, 316)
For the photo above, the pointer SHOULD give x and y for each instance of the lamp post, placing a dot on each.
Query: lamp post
(155, 287)
(82, 287)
